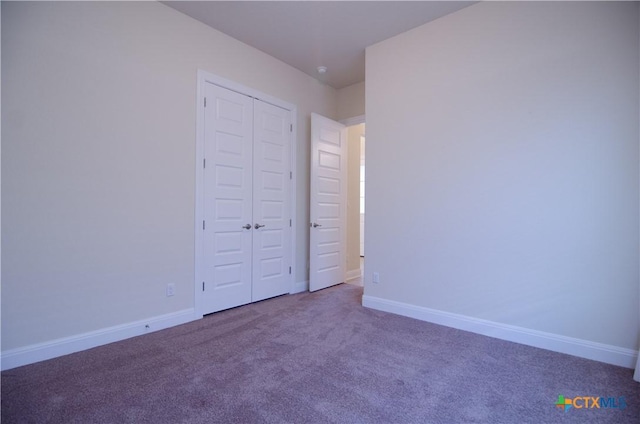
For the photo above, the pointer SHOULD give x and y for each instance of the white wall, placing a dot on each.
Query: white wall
(502, 168)
(351, 101)
(98, 164)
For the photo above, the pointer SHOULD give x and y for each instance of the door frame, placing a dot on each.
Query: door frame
(349, 122)
(203, 78)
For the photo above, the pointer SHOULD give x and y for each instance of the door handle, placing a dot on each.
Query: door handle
(316, 225)
(258, 226)
(247, 227)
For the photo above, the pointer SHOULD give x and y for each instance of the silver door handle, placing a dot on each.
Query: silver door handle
(316, 225)
(258, 226)
(247, 227)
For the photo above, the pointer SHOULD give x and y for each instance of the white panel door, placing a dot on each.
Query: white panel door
(228, 179)
(271, 182)
(327, 248)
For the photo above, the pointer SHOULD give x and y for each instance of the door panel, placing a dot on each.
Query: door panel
(227, 199)
(271, 182)
(328, 203)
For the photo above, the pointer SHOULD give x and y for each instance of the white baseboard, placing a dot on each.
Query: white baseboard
(300, 286)
(42, 351)
(577, 347)
(353, 274)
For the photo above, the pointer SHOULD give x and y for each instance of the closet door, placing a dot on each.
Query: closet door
(271, 180)
(247, 190)
(228, 180)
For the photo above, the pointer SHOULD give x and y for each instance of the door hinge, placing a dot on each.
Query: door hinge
(203, 225)
(289, 270)
(205, 102)
(290, 127)
(203, 286)
(204, 163)
(289, 223)
(291, 175)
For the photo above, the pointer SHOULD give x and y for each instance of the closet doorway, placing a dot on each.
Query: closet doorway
(244, 198)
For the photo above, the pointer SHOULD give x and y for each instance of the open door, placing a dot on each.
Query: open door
(327, 263)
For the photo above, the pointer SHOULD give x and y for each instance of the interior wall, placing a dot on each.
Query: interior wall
(98, 163)
(353, 199)
(351, 101)
(502, 167)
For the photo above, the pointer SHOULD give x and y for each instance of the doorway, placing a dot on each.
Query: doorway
(335, 202)
(356, 203)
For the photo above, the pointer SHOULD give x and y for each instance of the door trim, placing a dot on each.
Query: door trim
(203, 78)
(349, 122)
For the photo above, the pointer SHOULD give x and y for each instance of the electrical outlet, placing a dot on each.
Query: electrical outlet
(376, 277)
(171, 289)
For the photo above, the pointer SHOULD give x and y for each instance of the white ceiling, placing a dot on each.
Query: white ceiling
(308, 34)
